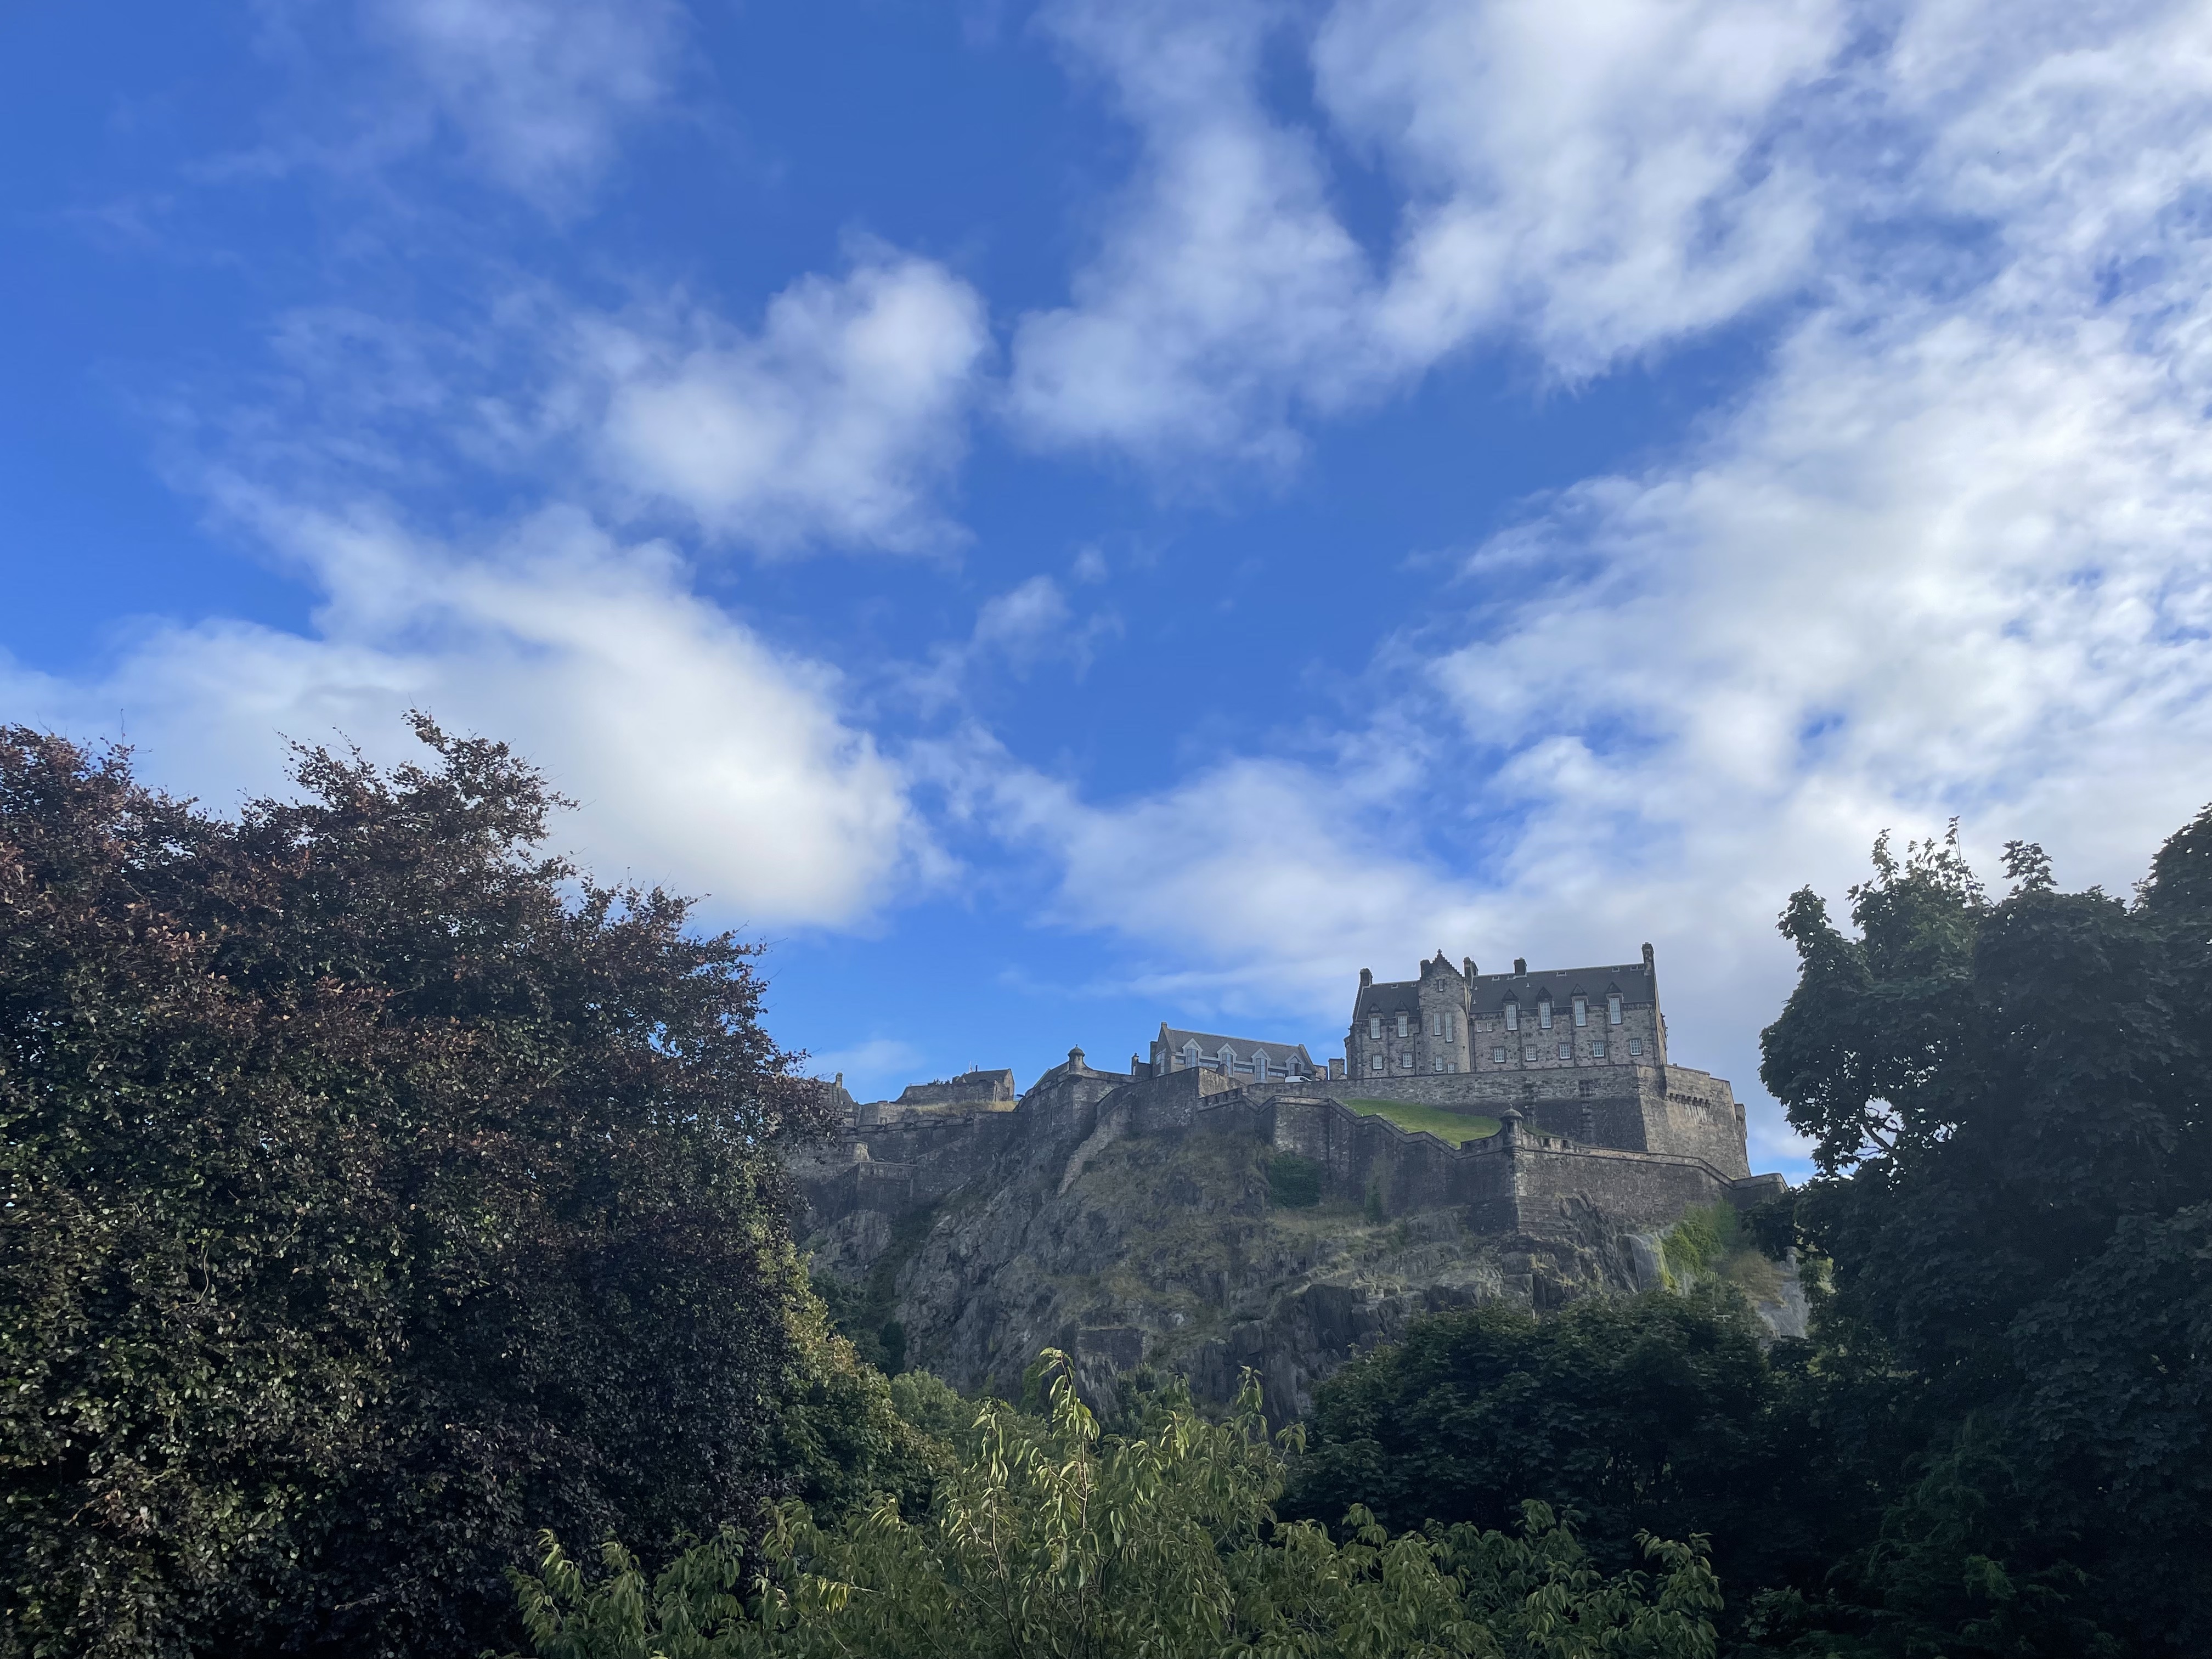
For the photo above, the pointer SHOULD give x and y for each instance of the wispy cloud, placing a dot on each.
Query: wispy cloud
(1950, 556)
(537, 92)
(839, 419)
(1591, 180)
(703, 759)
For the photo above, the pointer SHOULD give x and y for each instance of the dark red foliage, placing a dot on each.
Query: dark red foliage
(377, 1190)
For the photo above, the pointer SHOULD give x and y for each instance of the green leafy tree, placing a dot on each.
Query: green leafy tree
(1052, 1540)
(1656, 1413)
(378, 1188)
(2011, 1102)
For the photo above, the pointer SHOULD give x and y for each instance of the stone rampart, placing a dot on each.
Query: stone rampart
(1529, 1179)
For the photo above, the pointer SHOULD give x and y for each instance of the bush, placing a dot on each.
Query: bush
(1051, 1539)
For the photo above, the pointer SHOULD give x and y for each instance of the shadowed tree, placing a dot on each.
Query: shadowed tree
(2012, 1107)
(379, 1188)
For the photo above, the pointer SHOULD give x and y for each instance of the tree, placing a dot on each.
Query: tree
(1054, 1542)
(2012, 1106)
(378, 1188)
(1652, 1414)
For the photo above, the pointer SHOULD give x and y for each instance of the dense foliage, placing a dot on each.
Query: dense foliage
(1051, 1539)
(1656, 1413)
(378, 1190)
(1999, 1441)
(2012, 1104)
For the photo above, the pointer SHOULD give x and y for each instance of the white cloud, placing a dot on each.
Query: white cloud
(703, 759)
(1953, 555)
(1225, 289)
(1590, 172)
(875, 1069)
(1597, 178)
(538, 89)
(838, 420)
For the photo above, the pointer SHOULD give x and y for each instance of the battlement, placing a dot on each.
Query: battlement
(1572, 1062)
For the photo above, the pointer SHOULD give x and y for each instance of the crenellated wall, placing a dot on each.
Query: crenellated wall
(1557, 1149)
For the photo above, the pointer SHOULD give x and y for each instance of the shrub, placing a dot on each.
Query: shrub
(1053, 1539)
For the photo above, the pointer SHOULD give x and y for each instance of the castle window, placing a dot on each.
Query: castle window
(1581, 1011)
(1598, 1050)
(1451, 1028)
(1613, 1009)
(1375, 1028)
(1636, 1045)
(1405, 1060)
(1543, 1013)
(1586, 1089)
(1512, 1015)
(1402, 1023)
(1498, 1056)
(1566, 1051)
(1190, 1053)
(1529, 1051)
(1374, 1062)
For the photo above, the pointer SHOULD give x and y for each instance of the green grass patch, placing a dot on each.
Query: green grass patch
(1455, 1128)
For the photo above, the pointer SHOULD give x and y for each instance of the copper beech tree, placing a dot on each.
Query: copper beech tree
(379, 1189)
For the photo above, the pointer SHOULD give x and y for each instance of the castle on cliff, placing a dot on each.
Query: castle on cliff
(1594, 1124)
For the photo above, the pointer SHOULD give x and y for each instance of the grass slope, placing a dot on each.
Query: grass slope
(1457, 1128)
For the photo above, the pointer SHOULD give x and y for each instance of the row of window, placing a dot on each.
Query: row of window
(1226, 1062)
(1532, 1051)
(1530, 1054)
(1580, 1008)
(1378, 1063)
(1444, 1025)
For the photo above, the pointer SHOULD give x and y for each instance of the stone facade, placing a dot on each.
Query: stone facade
(1177, 1050)
(1125, 1215)
(1454, 1021)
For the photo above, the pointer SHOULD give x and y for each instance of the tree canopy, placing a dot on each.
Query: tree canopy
(2011, 1104)
(1657, 1413)
(378, 1188)
(1052, 1540)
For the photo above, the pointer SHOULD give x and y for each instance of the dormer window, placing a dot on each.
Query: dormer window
(1613, 1009)
(1375, 1028)
(1402, 1018)
(1512, 1015)
(1190, 1053)
(1544, 1013)
(1581, 1011)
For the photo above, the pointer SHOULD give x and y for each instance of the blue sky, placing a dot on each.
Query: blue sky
(1063, 516)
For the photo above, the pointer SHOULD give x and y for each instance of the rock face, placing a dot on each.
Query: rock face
(1137, 1221)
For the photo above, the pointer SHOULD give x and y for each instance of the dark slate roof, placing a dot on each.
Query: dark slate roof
(1387, 997)
(1633, 981)
(1209, 1044)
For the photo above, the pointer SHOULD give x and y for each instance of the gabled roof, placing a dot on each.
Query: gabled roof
(1210, 1043)
(1387, 997)
(1631, 982)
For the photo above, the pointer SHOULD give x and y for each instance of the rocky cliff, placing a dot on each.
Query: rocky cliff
(1199, 1229)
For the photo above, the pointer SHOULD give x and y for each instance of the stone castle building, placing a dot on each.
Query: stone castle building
(1571, 1064)
(1121, 1215)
